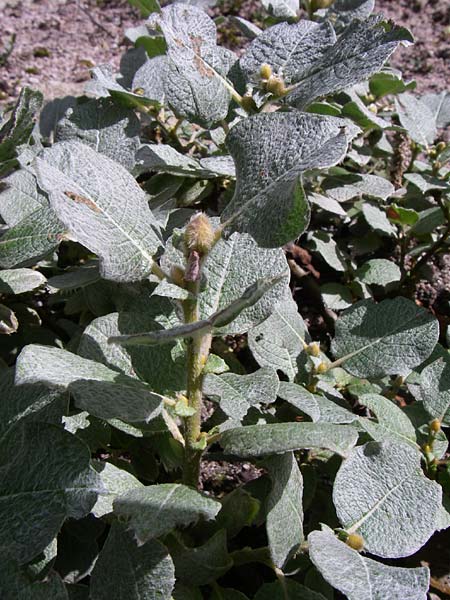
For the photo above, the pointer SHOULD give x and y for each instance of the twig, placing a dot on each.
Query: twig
(94, 21)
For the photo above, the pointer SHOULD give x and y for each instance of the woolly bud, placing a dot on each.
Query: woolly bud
(313, 349)
(355, 541)
(275, 85)
(199, 235)
(322, 368)
(248, 104)
(177, 275)
(265, 71)
(441, 146)
(435, 425)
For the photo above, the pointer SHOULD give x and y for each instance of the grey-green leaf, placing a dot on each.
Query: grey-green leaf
(279, 341)
(269, 201)
(102, 206)
(196, 83)
(155, 510)
(417, 119)
(284, 521)
(101, 391)
(278, 438)
(389, 338)
(435, 388)
(34, 502)
(237, 393)
(381, 493)
(290, 49)
(16, 584)
(359, 52)
(361, 578)
(392, 423)
(116, 482)
(19, 281)
(104, 126)
(379, 271)
(282, 9)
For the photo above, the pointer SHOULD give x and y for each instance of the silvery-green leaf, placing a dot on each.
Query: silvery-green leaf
(237, 393)
(104, 84)
(361, 578)
(219, 166)
(290, 49)
(299, 397)
(151, 78)
(248, 28)
(155, 510)
(19, 281)
(234, 265)
(8, 321)
(162, 367)
(379, 271)
(284, 521)
(278, 438)
(329, 251)
(27, 402)
(269, 201)
(116, 482)
(359, 52)
(34, 502)
(425, 183)
(343, 12)
(356, 110)
(102, 206)
(75, 278)
(336, 296)
(420, 419)
(104, 126)
(378, 220)
(389, 338)
(20, 197)
(278, 341)
(391, 424)
(439, 105)
(334, 410)
(435, 388)
(16, 584)
(126, 570)
(381, 493)
(170, 290)
(196, 84)
(416, 118)
(282, 9)
(346, 187)
(203, 564)
(31, 239)
(277, 591)
(327, 204)
(103, 392)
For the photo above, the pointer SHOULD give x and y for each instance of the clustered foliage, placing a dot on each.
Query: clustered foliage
(142, 235)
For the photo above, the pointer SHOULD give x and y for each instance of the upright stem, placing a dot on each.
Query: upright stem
(197, 355)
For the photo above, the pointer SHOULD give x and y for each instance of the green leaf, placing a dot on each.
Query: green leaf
(290, 49)
(126, 570)
(336, 296)
(19, 281)
(34, 502)
(20, 197)
(203, 564)
(377, 220)
(17, 130)
(103, 207)
(360, 578)
(379, 271)
(278, 438)
(435, 388)
(299, 397)
(329, 251)
(347, 187)
(389, 338)
(237, 393)
(239, 510)
(27, 402)
(147, 7)
(278, 341)
(104, 126)
(426, 183)
(360, 51)
(417, 119)
(196, 84)
(15, 584)
(269, 201)
(284, 521)
(157, 509)
(381, 493)
(392, 423)
(103, 392)
(282, 9)
(389, 82)
(116, 482)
